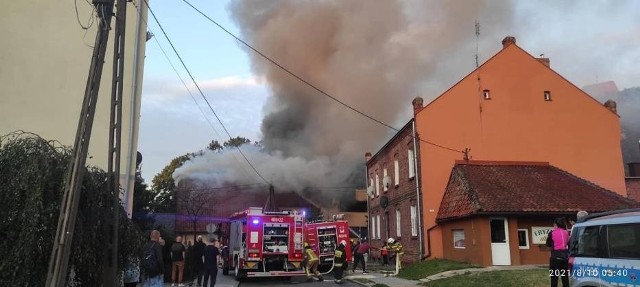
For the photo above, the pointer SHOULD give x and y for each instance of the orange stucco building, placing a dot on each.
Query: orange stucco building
(514, 107)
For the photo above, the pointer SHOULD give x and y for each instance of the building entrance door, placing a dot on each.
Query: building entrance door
(500, 253)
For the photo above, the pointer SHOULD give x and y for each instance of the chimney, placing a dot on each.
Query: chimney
(612, 106)
(545, 61)
(417, 105)
(508, 41)
(367, 157)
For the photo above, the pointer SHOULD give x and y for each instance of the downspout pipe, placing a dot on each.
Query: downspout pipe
(366, 184)
(418, 193)
(429, 242)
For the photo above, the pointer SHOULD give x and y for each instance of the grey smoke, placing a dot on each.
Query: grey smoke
(377, 56)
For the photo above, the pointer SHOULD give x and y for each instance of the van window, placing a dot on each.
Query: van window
(624, 240)
(585, 241)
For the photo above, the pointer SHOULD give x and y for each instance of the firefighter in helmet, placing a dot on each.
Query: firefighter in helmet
(396, 247)
(339, 262)
(311, 262)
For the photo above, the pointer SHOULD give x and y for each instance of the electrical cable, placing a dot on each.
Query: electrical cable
(200, 90)
(307, 82)
(196, 102)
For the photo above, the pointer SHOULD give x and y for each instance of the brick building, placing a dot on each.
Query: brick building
(393, 197)
(513, 108)
(498, 213)
(633, 181)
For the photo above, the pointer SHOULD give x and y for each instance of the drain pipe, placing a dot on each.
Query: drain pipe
(429, 242)
(367, 156)
(416, 155)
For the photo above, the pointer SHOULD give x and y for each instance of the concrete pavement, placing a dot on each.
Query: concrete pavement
(221, 281)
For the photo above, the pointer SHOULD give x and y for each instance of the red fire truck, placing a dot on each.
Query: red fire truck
(267, 244)
(324, 237)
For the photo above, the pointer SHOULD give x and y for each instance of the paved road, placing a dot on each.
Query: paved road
(294, 281)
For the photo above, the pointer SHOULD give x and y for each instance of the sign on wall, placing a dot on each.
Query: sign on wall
(539, 234)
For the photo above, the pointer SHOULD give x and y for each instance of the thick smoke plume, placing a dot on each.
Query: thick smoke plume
(373, 55)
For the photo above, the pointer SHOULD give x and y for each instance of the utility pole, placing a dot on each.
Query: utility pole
(271, 200)
(59, 260)
(110, 259)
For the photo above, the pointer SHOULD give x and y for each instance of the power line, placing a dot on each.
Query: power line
(200, 90)
(196, 102)
(305, 81)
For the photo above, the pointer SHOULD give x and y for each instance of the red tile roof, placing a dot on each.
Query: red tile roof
(522, 188)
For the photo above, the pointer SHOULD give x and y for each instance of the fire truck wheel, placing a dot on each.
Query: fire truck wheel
(238, 274)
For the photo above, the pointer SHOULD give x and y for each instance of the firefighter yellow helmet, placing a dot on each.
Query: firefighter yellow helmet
(306, 244)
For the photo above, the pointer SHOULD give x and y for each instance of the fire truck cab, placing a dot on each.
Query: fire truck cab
(324, 237)
(266, 244)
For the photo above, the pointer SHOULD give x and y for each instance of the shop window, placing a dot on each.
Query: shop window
(523, 238)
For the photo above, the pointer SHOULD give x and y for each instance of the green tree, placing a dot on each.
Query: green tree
(32, 176)
(165, 187)
(214, 145)
(143, 200)
(236, 142)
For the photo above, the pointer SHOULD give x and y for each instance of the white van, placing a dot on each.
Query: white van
(604, 250)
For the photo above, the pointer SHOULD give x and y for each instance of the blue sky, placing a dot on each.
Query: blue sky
(171, 123)
(587, 41)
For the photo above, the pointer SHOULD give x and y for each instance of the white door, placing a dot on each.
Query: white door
(500, 253)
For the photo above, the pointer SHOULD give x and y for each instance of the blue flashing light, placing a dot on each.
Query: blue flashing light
(255, 221)
(304, 213)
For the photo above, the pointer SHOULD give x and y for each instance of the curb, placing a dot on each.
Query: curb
(357, 282)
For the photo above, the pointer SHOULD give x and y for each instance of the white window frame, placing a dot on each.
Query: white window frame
(453, 237)
(373, 227)
(412, 171)
(398, 223)
(526, 233)
(384, 175)
(378, 226)
(396, 172)
(414, 220)
(377, 184)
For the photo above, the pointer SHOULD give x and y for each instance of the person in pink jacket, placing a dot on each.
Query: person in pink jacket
(558, 240)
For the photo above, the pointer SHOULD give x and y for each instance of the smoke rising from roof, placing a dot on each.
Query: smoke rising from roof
(373, 55)
(378, 55)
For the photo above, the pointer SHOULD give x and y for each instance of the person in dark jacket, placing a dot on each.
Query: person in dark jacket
(339, 262)
(558, 240)
(198, 252)
(155, 276)
(359, 253)
(210, 259)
